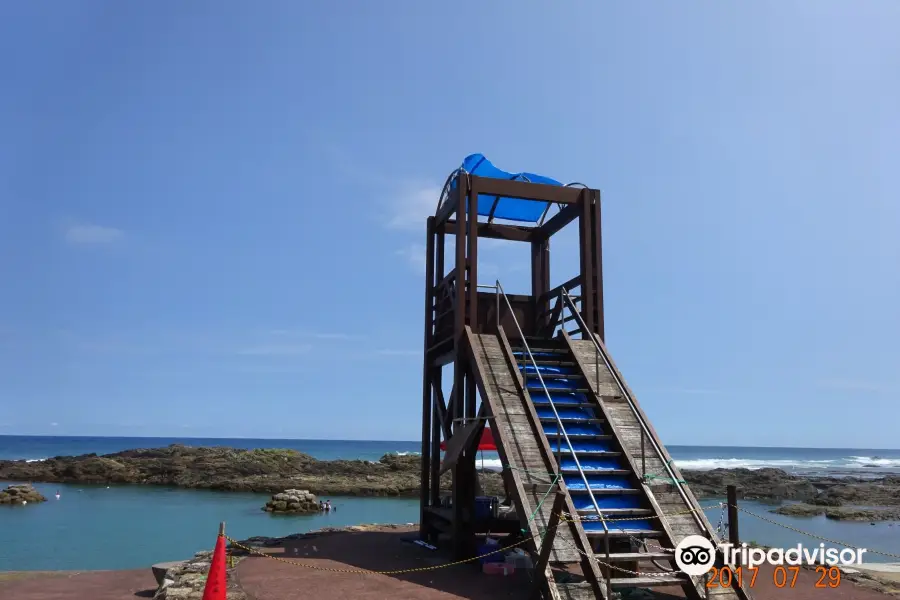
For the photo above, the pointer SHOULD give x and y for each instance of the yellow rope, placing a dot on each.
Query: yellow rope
(564, 517)
(369, 572)
(812, 535)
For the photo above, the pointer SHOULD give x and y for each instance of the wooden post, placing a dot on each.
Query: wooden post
(597, 267)
(540, 567)
(428, 412)
(733, 536)
(586, 263)
(461, 478)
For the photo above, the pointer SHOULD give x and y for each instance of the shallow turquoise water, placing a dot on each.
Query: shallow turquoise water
(135, 526)
(124, 527)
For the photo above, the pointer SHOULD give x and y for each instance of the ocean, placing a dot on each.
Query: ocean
(129, 526)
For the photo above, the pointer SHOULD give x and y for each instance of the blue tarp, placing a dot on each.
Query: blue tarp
(510, 209)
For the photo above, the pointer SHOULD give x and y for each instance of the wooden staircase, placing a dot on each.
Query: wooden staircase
(559, 416)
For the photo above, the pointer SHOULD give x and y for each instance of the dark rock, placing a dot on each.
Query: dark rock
(185, 580)
(220, 468)
(21, 494)
(271, 471)
(884, 492)
(863, 514)
(293, 502)
(775, 484)
(752, 484)
(799, 510)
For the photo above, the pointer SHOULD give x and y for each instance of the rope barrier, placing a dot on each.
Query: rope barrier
(564, 518)
(539, 504)
(813, 535)
(370, 572)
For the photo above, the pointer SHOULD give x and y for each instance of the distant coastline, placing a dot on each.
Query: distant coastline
(814, 461)
(393, 475)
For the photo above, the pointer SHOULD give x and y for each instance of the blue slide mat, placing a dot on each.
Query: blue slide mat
(529, 369)
(590, 464)
(636, 526)
(557, 397)
(605, 502)
(597, 482)
(564, 412)
(551, 429)
(552, 384)
(585, 446)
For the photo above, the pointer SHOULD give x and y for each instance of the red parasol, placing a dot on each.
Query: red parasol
(486, 443)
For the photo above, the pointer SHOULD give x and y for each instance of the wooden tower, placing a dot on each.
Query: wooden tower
(453, 302)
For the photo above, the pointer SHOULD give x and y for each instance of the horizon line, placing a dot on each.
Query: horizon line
(159, 437)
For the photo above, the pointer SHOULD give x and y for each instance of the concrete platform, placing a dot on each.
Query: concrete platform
(159, 569)
(885, 571)
(93, 585)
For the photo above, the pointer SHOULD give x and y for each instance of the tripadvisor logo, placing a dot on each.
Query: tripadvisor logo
(695, 555)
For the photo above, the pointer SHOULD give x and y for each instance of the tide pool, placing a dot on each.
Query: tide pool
(127, 527)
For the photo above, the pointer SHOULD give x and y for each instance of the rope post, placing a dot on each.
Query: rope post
(733, 537)
(227, 550)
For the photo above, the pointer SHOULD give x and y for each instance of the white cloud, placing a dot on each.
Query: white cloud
(93, 234)
(54, 424)
(411, 205)
(414, 254)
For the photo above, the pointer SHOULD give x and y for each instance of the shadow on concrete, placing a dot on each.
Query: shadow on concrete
(427, 575)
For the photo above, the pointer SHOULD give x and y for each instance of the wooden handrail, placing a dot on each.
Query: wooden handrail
(568, 285)
(447, 279)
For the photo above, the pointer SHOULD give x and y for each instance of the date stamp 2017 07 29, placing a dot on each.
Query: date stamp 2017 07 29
(782, 577)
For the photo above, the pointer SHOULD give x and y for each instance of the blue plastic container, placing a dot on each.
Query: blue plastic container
(485, 507)
(490, 545)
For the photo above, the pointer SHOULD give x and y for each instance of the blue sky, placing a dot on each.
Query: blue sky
(167, 171)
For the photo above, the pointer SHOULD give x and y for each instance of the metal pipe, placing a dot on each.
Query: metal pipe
(634, 410)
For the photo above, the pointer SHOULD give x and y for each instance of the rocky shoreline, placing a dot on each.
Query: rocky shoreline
(839, 513)
(273, 471)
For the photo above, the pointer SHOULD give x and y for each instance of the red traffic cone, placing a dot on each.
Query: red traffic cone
(215, 582)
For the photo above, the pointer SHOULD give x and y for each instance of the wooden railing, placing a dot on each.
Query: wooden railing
(550, 317)
(541, 317)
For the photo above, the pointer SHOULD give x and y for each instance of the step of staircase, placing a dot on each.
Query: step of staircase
(648, 581)
(628, 556)
(605, 492)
